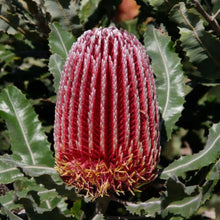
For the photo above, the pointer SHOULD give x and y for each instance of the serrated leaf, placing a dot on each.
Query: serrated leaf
(76, 209)
(28, 142)
(6, 55)
(98, 217)
(60, 41)
(169, 75)
(214, 173)
(61, 188)
(161, 5)
(208, 189)
(36, 213)
(45, 199)
(7, 200)
(88, 7)
(58, 9)
(9, 173)
(176, 189)
(202, 48)
(9, 214)
(149, 208)
(56, 63)
(193, 162)
(185, 207)
(154, 3)
(30, 170)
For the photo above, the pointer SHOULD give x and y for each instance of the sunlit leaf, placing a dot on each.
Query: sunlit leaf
(169, 75)
(7, 200)
(76, 209)
(193, 162)
(151, 207)
(30, 170)
(9, 173)
(185, 207)
(28, 142)
(56, 63)
(60, 41)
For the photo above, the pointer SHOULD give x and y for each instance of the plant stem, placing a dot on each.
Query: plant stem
(15, 27)
(211, 19)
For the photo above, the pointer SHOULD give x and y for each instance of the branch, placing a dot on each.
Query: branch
(211, 19)
(15, 27)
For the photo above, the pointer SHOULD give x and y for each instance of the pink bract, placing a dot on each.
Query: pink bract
(106, 122)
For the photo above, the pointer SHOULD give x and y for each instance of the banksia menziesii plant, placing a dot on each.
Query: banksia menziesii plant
(107, 124)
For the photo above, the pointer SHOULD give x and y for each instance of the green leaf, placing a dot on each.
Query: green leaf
(60, 11)
(76, 209)
(61, 188)
(60, 41)
(36, 213)
(30, 170)
(214, 173)
(28, 142)
(177, 190)
(194, 162)
(149, 208)
(9, 173)
(202, 48)
(185, 207)
(45, 199)
(7, 200)
(130, 26)
(6, 55)
(98, 217)
(208, 189)
(88, 7)
(169, 75)
(56, 63)
(9, 214)
(154, 3)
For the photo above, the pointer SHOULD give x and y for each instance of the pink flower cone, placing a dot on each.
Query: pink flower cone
(107, 123)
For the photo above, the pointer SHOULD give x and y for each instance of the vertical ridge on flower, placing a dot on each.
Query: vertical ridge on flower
(106, 123)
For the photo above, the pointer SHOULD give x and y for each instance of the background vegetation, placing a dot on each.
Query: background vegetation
(182, 40)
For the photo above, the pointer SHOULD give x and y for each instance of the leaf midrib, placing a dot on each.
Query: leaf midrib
(167, 74)
(205, 151)
(185, 204)
(61, 39)
(22, 129)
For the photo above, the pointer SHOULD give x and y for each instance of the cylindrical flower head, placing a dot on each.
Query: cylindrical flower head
(107, 123)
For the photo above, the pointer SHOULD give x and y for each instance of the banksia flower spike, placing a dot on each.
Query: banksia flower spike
(106, 123)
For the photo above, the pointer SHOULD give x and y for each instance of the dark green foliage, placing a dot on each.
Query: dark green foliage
(183, 42)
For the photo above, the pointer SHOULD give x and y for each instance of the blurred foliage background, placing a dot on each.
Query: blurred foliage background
(31, 57)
